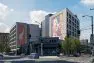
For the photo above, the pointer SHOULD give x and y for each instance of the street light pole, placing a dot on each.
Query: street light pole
(92, 24)
(40, 37)
(92, 36)
(92, 32)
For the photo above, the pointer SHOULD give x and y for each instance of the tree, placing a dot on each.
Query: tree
(77, 43)
(1, 47)
(70, 45)
(73, 46)
(4, 47)
(66, 45)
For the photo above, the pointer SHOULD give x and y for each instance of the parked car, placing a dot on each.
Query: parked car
(76, 54)
(34, 56)
(11, 53)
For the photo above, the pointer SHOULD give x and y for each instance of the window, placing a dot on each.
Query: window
(75, 20)
(73, 23)
(69, 32)
(73, 29)
(77, 23)
(67, 26)
(69, 16)
(72, 33)
(69, 21)
(55, 41)
(77, 27)
(72, 18)
(75, 34)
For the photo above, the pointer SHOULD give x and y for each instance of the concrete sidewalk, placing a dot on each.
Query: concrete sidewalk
(82, 59)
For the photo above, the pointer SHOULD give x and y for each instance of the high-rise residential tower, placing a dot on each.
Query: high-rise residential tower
(64, 23)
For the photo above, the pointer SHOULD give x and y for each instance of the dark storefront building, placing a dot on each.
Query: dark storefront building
(47, 46)
(50, 45)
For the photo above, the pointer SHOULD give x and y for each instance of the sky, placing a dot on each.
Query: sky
(29, 11)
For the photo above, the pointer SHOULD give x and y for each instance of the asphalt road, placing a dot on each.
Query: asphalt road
(40, 60)
(32, 61)
(50, 59)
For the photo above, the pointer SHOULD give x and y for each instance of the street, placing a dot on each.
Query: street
(51, 59)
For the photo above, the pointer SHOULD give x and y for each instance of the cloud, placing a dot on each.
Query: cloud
(38, 16)
(88, 2)
(4, 28)
(4, 11)
(11, 9)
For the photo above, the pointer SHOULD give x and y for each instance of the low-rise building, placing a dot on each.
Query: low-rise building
(47, 46)
(84, 42)
(4, 37)
(4, 40)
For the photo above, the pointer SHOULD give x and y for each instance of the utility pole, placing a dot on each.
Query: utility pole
(92, 33)
(92, 38)
(92, 27)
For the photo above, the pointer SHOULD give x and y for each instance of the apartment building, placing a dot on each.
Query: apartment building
(64, 23)
(19, 35)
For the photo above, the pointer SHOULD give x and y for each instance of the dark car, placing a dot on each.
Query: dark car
(34, 56)
(76, 54)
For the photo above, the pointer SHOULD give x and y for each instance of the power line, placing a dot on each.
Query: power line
(85, 29)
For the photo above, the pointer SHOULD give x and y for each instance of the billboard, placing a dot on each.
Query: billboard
(21, 34)
(57, 26)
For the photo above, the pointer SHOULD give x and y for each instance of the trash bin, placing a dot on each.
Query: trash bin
(34, 56)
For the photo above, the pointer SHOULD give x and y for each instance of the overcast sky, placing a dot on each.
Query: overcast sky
(29, 11)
